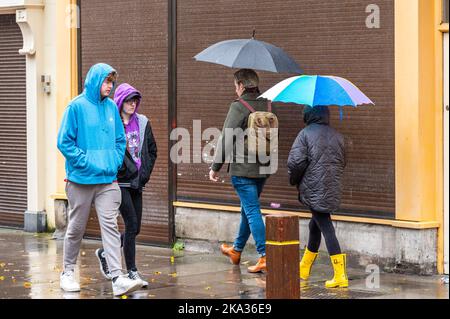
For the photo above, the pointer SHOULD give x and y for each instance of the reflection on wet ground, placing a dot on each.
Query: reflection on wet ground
(30, 265)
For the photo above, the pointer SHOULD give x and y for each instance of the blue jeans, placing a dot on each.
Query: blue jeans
(249, 190)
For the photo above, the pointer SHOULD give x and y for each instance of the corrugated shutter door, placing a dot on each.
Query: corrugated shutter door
(132, 37)
(13, 139)
(325, 37)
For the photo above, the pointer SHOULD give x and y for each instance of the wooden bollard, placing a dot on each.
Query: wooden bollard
(282, 257)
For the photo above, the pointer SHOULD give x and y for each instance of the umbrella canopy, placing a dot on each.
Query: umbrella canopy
(315, 90)
(249, 54)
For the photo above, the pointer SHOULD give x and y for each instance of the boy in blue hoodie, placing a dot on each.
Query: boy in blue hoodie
(92, 140)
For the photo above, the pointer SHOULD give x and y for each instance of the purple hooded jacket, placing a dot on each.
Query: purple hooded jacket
(132, 128)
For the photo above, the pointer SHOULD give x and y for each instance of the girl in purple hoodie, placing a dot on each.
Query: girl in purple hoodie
(139, 160)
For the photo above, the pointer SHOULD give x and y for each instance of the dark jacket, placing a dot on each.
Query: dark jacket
(128, 175)
(237, 118)
(316, 162)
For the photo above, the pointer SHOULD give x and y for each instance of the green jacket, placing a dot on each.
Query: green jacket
(237, 118)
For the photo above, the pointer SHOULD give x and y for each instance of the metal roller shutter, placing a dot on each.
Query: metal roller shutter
(132, 37)
(325, 37)
(13, 138)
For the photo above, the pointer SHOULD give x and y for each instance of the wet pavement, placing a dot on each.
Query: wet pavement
(30, 265)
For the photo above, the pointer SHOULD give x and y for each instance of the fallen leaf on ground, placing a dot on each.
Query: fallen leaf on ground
(124, 297)
(172, 259)
(2, 278)
(157, 273)
(27, 285)
(207, 288)
(173, 274)
(151, 296)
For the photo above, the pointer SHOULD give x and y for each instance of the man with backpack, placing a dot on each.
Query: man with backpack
(248, 171)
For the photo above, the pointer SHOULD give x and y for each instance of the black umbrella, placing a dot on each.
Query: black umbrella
(249, 54)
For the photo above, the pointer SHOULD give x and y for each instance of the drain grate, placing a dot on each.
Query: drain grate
(336, 293)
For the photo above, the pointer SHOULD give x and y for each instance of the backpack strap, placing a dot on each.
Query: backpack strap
(248, 106)
(251, 109)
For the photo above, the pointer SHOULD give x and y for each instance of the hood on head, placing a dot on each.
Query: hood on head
(316, 114)
(123, 92)
(94, 80)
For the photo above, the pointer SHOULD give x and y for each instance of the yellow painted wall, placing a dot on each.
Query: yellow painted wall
(59, 65)
(439, 128)
(417, 109)
(66, 72)
(419, 121)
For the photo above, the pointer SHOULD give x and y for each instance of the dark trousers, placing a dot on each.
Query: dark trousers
(321, 224)
(131, 211)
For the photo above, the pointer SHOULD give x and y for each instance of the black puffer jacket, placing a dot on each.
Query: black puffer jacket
(316, 162)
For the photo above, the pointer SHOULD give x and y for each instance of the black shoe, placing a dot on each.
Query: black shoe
(100, 253)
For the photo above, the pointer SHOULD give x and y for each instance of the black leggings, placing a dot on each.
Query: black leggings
(131, 211)
(321, 224)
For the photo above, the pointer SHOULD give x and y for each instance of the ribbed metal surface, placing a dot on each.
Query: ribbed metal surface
(13, 139)
(325, 37)
(132, 37)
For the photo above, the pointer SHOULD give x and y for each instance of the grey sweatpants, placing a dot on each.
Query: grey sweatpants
(107, 199)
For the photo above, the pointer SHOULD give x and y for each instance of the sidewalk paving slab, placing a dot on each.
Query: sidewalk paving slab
(30, 265)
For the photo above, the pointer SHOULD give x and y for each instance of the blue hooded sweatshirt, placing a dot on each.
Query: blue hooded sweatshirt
(91, 136)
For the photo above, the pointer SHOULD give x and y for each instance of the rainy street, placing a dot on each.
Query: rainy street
(30, 265)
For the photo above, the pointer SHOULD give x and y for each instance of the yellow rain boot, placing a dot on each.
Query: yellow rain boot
(306, 263)
(340, 278)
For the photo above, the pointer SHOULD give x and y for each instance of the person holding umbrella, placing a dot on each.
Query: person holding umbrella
(315, 165)
(246, 176)
(317, 159)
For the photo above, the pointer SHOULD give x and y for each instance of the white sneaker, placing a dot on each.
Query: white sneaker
(124, 285)
(134, 275)
(68, 283)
